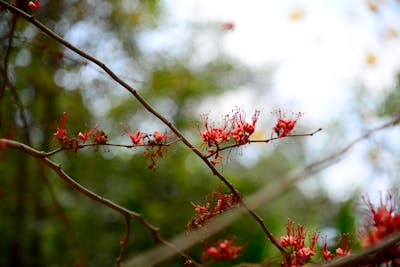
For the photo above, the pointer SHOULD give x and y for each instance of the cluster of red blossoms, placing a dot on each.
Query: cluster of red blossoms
(155, 143)
(284, 126)
(140, 138)
(297, 253)
(218, 203)
(237, 128)
(71, 142)
(234, 126)
(222, 250)
(382, 222)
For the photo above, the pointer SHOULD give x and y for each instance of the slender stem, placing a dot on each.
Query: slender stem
(51, 153)
(263, 141)
(125, 240)
(6, 81)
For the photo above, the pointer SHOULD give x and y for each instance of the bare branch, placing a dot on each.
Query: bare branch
(125, 240)
(6, 143)
(6, 81)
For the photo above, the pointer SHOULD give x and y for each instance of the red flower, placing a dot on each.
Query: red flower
(326, 253)
(135, 138)
(158, 137)
(284, 126)
(214, 135)
(222, 250)
(298, 253)
(61, 133)
(342, 252)
(34, 5)
(242, 129)
(383, 221)
(344, 249)
(85, 137)
(218, 203)
(201, 209)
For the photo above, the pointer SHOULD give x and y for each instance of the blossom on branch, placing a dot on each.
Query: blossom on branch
(382, 221)
(298, 254)
(234, 125)
(284, 126)
(241, 130)
(61, 132)
(214, 135)
(218, 203)
(99, 137)
(222, 250)
(159, 138)
(326, 254)
(344, 248)
(85, 137)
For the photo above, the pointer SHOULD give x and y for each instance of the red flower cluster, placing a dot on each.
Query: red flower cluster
(344, 249)
(222, 250)
(284, 126)
(155, 142)
(72, 142)
(241, 130)
(213, 136)
(61, 133)
(234, 126)
(382, 222)
(140, 138)
(298, 254)
(341, 251)
(326, 253)
(220, 202)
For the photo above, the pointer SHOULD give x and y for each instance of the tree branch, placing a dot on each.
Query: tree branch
(146, 105)
(40, 155)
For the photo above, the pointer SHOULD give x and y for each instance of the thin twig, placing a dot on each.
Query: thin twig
(53, 152)
(263, 141)
(7, 82)
(125, 240)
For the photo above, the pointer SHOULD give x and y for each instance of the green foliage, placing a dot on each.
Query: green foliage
(391, 103)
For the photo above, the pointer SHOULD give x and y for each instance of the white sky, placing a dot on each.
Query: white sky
(319, 57)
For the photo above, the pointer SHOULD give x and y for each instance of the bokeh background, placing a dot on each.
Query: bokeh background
(337, 62)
